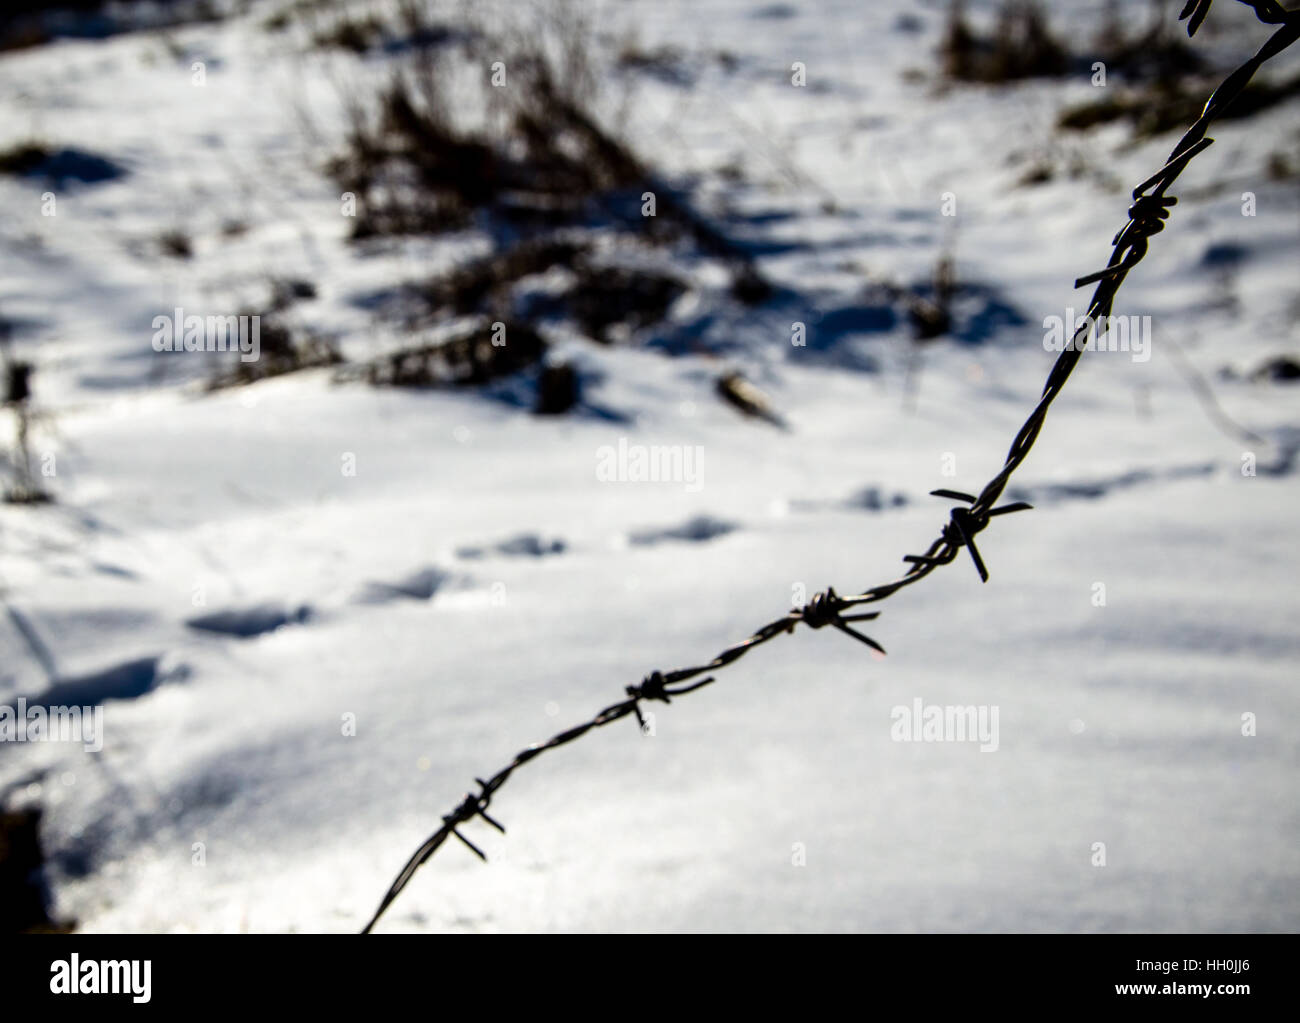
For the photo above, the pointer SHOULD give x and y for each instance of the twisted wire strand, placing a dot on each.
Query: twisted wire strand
(1147, 217)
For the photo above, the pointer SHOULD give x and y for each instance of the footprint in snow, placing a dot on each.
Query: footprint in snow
(869, 498)
(1090, 490)
(700, 529)
(525, 545)
(252, 621)
(126, 681)
(420, 585)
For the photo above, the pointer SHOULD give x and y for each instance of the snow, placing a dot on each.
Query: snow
(320, 595)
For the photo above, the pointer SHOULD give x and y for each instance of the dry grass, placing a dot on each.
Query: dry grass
(1019, 46)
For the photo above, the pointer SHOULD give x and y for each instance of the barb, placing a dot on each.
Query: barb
(1147, 217)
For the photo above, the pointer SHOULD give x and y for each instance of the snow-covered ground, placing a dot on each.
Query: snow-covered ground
(228, 794)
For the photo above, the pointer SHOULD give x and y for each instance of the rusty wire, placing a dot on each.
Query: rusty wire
(1147, 215)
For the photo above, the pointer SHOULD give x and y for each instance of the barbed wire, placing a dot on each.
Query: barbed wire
(1147, 217)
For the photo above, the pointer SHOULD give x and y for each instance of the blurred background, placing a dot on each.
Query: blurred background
(580, 340)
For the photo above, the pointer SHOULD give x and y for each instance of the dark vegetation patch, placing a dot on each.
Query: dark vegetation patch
(175, 243)
(666, 63)
(558, 389)
(1280, 369)
(414, 170)
(1157, 82)
(1153, 60)
(403, 27)
(1158, 53)
(1167, 105)
(355, 34)
(607, 302)
(1017, 46)
(480, 285)
(25, 901)
(23, 159)
(614, 297)
(285, 291)
(474, 356)
(544, 179)
(16, 396)
(945, 306)
(509, 355)
(26, 23)
(283, 349)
